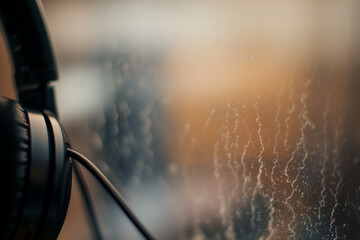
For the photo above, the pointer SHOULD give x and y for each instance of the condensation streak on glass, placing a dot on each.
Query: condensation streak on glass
(276, 166)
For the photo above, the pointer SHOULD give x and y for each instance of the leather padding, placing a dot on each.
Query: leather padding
(14, 164)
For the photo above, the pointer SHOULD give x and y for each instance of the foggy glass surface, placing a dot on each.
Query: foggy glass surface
(217, 120)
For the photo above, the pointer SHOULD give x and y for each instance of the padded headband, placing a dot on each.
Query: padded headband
(32, 56)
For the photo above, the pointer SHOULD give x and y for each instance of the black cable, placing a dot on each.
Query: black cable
(89, 206)
(111, 189)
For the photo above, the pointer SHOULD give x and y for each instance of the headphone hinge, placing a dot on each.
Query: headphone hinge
(39, 99)
(32, 79)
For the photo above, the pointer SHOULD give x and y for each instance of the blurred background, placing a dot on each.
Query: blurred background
(215, 119)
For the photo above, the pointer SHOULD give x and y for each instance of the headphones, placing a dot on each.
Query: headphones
(35, 173)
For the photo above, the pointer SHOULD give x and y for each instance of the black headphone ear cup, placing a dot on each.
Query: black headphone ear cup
(57, 225)
(14, 164)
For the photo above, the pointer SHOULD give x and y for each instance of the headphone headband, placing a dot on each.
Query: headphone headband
(32, 56)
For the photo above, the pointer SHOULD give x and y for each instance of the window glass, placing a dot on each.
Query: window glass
(216, 119)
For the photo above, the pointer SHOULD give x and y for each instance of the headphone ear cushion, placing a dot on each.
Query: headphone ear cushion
(14, 163)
